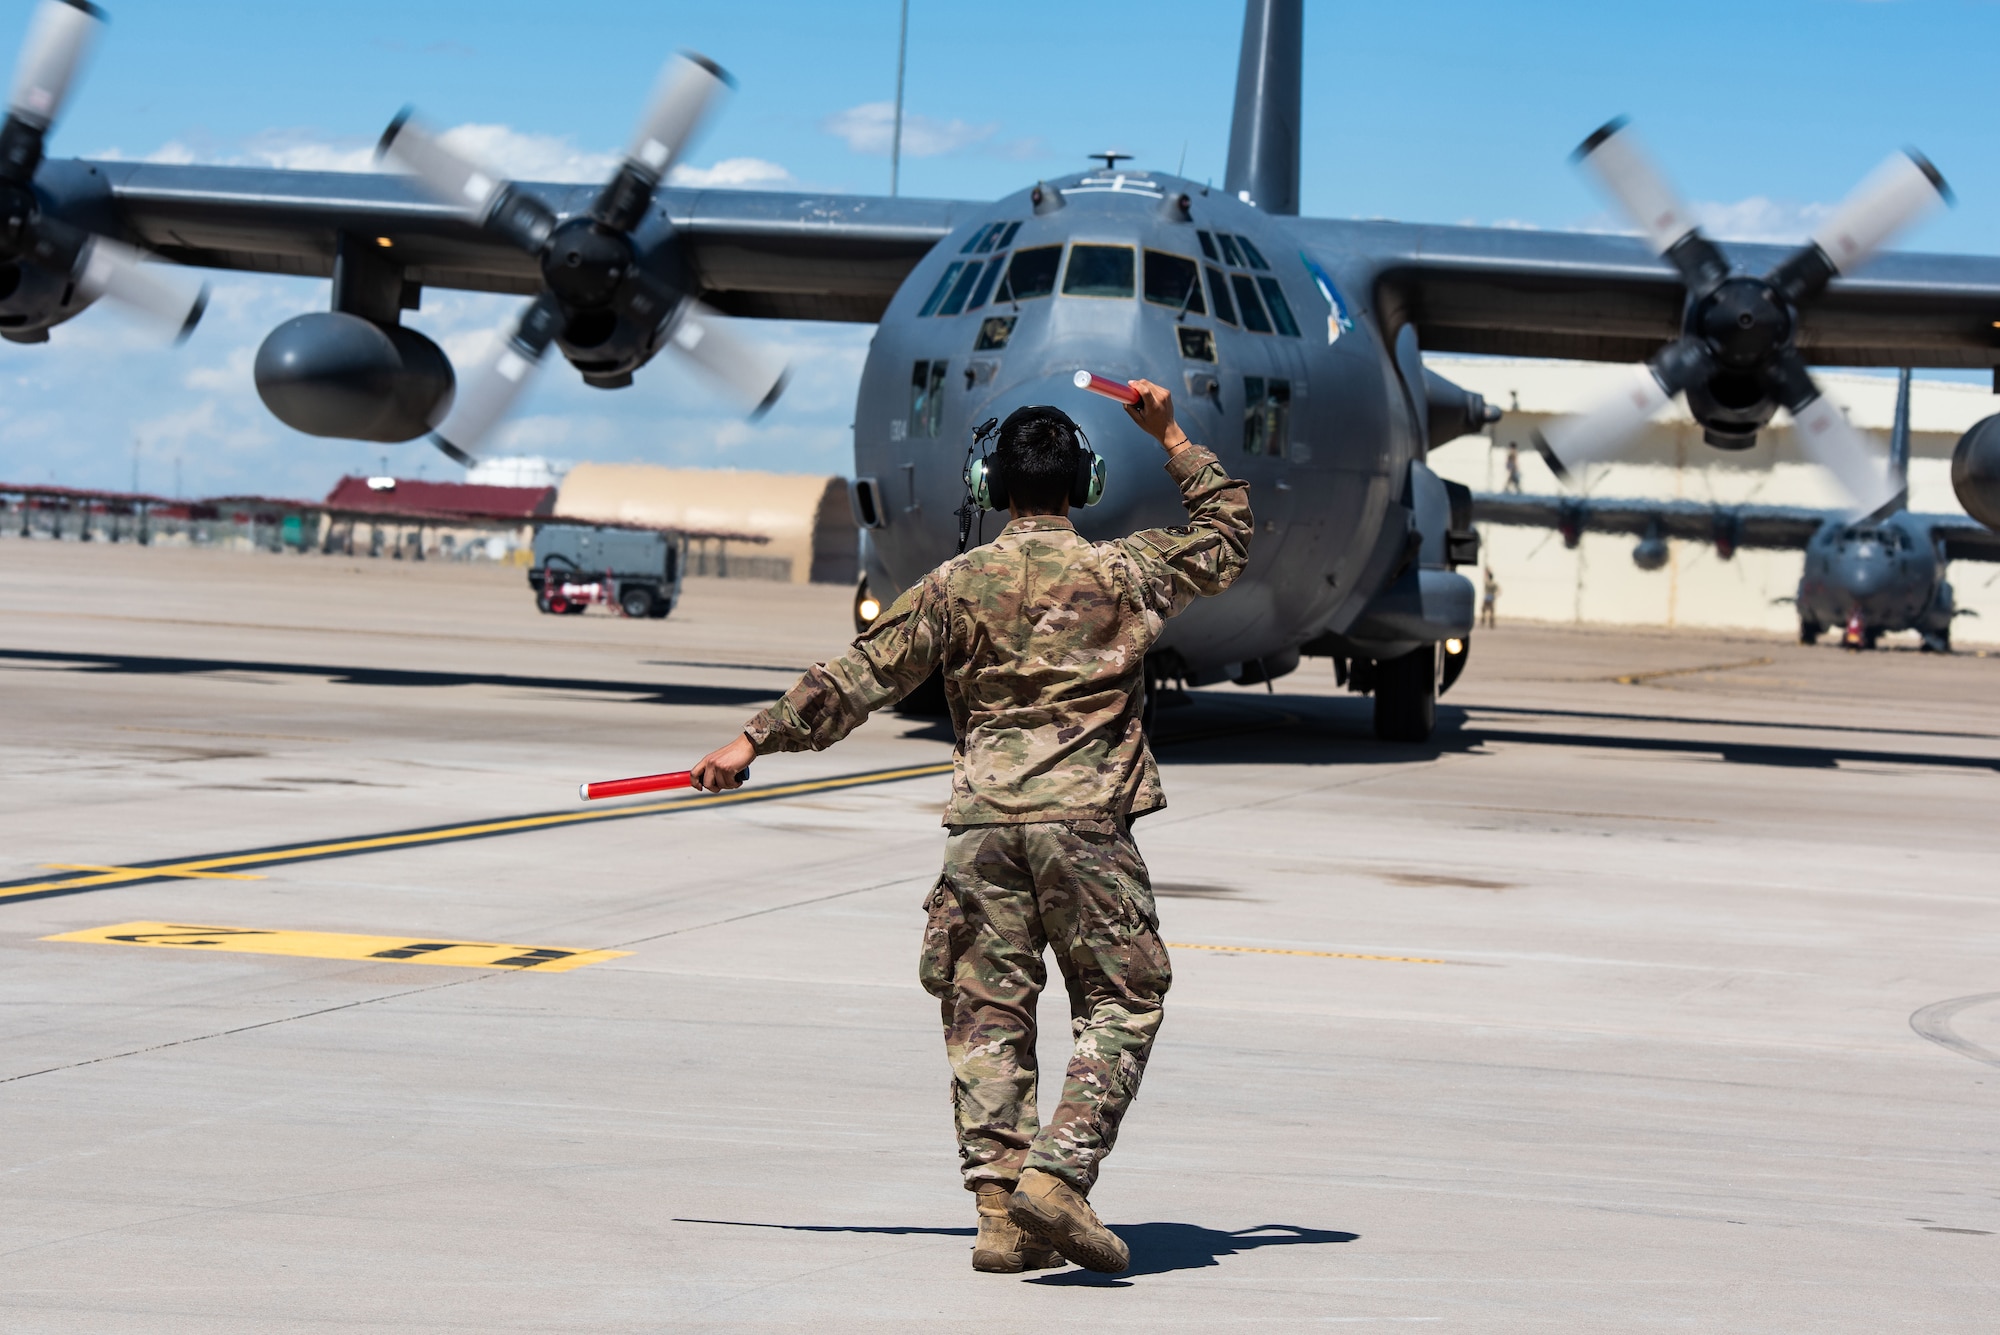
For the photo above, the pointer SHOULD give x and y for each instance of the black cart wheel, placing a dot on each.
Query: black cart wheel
(1406, 696)
(1810, 631)
(635, 600)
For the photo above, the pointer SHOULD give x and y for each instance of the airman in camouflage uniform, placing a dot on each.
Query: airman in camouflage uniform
(1042, 639)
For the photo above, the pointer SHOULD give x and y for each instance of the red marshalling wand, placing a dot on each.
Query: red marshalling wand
(645, 783)
(1110, 389)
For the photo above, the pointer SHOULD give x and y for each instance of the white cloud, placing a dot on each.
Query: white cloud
(869, 128)
(731, 174)
(512, 153)
(1760, 219)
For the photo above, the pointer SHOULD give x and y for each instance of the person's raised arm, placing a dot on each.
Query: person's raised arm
(1177, 565)
(883, 665)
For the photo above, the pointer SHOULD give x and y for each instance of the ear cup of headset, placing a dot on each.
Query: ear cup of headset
(987, 484)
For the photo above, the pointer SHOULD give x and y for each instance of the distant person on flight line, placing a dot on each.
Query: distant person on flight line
(1513, 468)
(1488, 598)
(1041, 638)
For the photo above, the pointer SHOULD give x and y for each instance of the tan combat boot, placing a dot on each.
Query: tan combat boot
(1003, 1249)
(1048, 1208)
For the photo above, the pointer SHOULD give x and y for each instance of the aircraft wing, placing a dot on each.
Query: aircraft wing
(753, 253)
(1769, 526)
(1600, 297)
(1964, 539)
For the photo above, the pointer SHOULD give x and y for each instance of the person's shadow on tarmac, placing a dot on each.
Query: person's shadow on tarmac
(1156, 1248)
(1160, 1247)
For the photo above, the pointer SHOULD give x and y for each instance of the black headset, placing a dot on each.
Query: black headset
(988, 483)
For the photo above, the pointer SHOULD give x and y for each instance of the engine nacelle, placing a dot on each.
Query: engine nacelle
(334, 374)
(32, 300)
(1975, 471)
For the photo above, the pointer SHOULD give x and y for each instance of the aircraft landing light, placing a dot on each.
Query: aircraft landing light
(384, 242)
(340, 946)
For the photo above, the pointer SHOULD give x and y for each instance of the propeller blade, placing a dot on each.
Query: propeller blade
(58, 37)
(1896, 194)
(485, 196)
(107, 268)
(486, 395)
(1837, 445)
(1601, 431)
(689, 86)
(454, 179)
(1828, 439)
(750, 373)
(1627, 172)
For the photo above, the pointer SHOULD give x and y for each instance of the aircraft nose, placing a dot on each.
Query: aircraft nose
(1864, 576)
(1137, 491)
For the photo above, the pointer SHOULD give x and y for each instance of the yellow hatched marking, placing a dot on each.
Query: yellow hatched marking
(195, 866)
(157, 871)
(1317, 954)
(340, 946)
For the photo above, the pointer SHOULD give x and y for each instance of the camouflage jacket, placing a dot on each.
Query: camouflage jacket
(1042, 638)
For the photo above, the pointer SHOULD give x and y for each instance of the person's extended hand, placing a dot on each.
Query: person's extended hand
(1154, 412)
(724, 767)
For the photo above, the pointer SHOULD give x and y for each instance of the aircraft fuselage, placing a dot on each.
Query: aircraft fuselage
(1003, 313)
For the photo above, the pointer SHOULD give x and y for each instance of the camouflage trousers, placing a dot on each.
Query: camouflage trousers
(1008, 892)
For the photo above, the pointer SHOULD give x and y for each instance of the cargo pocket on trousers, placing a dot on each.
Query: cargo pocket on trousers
(944, 940)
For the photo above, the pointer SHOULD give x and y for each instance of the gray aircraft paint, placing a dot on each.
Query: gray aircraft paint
(1320, 510)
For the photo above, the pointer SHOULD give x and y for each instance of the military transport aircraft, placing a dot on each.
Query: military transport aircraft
(1295, 344)
(1882, 572)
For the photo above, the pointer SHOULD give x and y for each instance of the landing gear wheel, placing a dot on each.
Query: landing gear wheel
(636, 602)
(1810, 631)
(1406, 696)
(661, 608)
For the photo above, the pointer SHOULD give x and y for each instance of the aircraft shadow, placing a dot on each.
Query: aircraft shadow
(1157, 1248)
(1323, 730)
(647, 692)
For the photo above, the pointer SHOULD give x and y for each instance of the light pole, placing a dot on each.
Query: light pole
(896, 138)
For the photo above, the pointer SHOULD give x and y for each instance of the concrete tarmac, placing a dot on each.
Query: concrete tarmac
(1660, 993)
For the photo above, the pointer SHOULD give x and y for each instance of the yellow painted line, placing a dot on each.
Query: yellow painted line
(445, 834)
(157, 871)
(1641, 678)
(1317, 954)
(340, 946)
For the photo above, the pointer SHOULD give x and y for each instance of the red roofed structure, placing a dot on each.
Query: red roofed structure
(414, 501)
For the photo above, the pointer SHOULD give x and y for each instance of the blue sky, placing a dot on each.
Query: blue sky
(1422, 110)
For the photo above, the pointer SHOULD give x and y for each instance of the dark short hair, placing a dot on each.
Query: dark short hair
(1037, 456)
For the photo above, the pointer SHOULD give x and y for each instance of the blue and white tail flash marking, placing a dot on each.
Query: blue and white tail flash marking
(1338, 321)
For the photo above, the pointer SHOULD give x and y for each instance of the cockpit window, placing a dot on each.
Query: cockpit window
(1174, 281)
(1250, 253)
(984, 234)
(1032, 274)
(1218, 291)
(1006, 237)
(1281, 310)
(955, 303)
(1098, 271)
(986, 280)
(1229, 250)
(943, 286)
(1207, 246)
(1254, 318)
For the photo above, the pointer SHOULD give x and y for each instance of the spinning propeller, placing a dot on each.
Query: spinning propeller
(1738, 355)
(58, 36)
(592, 269)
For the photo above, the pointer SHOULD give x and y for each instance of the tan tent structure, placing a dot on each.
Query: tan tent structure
(810, 527)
